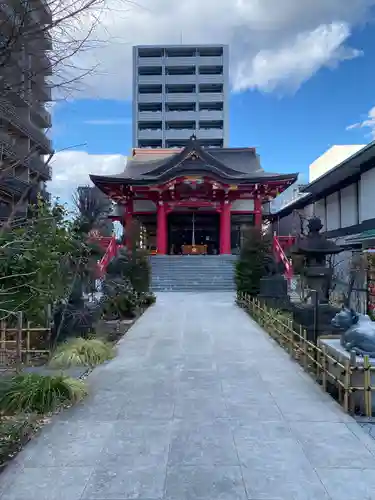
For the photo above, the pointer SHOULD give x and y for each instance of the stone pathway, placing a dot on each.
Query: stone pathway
(199, 405)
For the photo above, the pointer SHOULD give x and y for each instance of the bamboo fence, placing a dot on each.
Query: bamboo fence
(315, 359)
(22, 343)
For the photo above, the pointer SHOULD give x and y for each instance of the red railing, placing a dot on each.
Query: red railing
(110, 246)
(280, 244)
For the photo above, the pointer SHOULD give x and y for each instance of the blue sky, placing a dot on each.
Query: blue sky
(290, 108)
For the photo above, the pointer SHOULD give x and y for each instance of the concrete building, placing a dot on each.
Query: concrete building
(343, 198)
(331, 158)
(178, 91)
(23, 94)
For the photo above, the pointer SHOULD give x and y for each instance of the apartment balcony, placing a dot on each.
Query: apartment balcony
(183, 97)
(13, 185)
(210, 60)
(181, 79)
(38, 165)
(41, 11)
(179, 134)
(7, 144)
(218, 79)
(41, 117)
(210, 133)
(150, 61)
(211, 96)
(180, 61)
(41, 90)
(150, 79)
(13, 148)
(149, 116)
(29, 129)
(181, 115)
(154, 98)
(150, 134)
(210, 115)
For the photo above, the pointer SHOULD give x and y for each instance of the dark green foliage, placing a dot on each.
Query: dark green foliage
(132, 265)
(15, 431)
(119, 299)
(33, 393)
(253, 259)
(147, 299)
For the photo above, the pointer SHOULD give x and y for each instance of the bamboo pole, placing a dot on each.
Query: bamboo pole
(367, 385)
(303, 335)
(19, 338)
(28, 348)
(324, 368)
(347, 380)
(3, 335)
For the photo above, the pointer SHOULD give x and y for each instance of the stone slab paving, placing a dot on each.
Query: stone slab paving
(199, 405)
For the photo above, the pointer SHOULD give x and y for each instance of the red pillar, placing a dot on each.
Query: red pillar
(258, 211)
(225, 243)
(128, 219)
(161, 229)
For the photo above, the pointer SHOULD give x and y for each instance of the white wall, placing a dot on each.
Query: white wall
(349, 206)
(333, 212)
(367, 195)
(331, 158)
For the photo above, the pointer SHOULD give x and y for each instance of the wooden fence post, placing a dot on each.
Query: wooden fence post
(367, 385)
(303, 337)
(347, 380)
(324, 368)
(19, 338)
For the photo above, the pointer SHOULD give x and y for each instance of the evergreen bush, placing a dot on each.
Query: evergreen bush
(251, 265)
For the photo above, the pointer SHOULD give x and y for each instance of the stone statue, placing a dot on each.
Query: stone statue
(359, 332)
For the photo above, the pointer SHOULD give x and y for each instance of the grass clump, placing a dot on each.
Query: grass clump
(82, 352)
(33, 393)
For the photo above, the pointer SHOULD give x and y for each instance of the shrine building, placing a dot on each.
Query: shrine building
(193, 200)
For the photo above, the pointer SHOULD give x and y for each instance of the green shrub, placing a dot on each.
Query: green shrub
(33, 393)
(120, 304)
(147, 299)
(251, 264)
(15, 431)
(82, 352)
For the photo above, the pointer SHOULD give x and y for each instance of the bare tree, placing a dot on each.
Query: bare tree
(41, 45)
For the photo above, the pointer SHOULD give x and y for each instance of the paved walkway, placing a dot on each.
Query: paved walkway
(199, 404)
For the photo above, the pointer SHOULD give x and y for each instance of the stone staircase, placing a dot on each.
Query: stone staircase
(192, 273)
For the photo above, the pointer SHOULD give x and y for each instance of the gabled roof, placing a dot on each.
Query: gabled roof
(228, 164)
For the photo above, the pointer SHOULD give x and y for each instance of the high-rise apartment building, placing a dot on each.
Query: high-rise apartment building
(180, 91)
(24, 67)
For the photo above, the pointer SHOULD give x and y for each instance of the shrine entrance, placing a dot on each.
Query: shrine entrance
(193, 233)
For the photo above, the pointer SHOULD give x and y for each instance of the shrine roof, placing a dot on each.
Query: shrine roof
(228, 164)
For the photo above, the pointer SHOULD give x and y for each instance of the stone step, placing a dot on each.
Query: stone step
(193, 273)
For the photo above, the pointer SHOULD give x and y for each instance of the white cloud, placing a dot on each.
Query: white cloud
(368, 123)
(72, 168)
(292, 64)
(273, 44)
